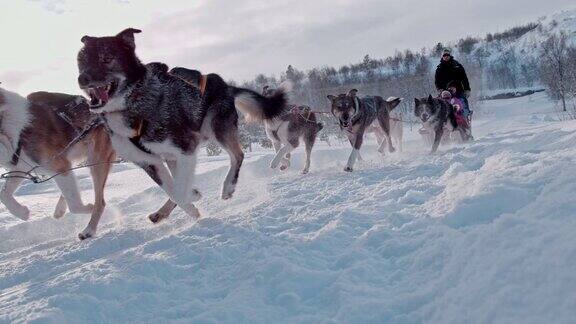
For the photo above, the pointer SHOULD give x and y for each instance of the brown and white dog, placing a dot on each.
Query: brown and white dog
(35, 130)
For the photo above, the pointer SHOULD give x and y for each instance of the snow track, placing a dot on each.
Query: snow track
(482, 232)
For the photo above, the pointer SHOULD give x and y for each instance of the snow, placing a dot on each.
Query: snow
(482, 232)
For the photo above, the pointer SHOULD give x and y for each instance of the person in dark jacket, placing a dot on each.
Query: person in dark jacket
(451, 71)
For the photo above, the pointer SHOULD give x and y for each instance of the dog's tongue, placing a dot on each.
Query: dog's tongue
(101, 93)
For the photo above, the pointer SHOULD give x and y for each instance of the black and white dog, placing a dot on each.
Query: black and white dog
(437, 116)
(154, 116)
(286, 131)
(355, 115)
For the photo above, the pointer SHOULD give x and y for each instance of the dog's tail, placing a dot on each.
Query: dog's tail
(256, 107)
(393, 102)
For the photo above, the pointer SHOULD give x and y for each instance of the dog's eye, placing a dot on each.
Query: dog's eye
(106, 59)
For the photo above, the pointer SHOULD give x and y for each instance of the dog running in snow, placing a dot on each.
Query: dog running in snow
(437, 116)
(156, 117)
(37, 130)
(355, 115)
(286, 130)
(396, 132)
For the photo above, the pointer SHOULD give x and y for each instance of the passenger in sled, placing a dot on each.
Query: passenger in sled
(461, 110)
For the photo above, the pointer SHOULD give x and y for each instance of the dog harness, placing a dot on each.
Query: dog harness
(369, 107)
(136, 139)
(16, 156)
(201, 83)
(64, 113)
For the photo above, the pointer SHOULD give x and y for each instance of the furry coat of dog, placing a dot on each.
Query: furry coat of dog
(286, 131)
(156, 117)
(37, 131)
(355, 115)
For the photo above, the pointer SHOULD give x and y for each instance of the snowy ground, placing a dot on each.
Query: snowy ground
(483, 232)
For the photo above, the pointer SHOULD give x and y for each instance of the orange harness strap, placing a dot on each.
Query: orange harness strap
(138, 133)
(203, 81)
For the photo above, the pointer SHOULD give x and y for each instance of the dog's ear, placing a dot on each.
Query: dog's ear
(87, 39)
(127, 36)
(330, 97)
(393, 102)
(416, 101)
(352, 93)
(430, 99)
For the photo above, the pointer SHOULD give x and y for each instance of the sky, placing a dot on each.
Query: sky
(240, 39)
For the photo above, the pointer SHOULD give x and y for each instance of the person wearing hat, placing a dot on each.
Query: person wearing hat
(450, 71)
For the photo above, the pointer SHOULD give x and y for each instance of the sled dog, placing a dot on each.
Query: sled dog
(355, 115)
(286, 131)
(437, 116)
(37, 130)
(156, 117)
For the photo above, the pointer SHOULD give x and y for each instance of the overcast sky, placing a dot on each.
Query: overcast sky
(239, 39)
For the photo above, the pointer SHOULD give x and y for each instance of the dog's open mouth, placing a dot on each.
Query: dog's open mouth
(99, 96)
(344, 124)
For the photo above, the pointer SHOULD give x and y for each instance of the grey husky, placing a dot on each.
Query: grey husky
(437, 116)
(355, 115)
(286, 131)
(154, 116)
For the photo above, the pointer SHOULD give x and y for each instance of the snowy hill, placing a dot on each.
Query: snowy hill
(527, 47)
(483, 232)
(564, 21)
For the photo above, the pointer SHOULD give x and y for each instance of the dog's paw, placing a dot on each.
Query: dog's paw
(227, 192)
(348, 169)
(82, 209)
(157, 217)
(391, 149)
(276, 162)
(191, 210)
(60, 209)
(304, 172)
(283, 167)
(87, 233)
